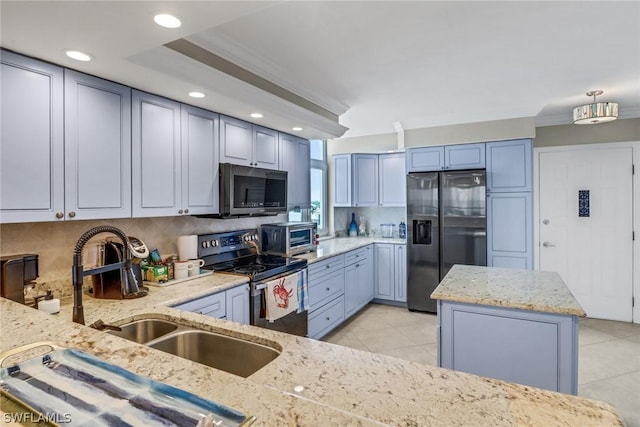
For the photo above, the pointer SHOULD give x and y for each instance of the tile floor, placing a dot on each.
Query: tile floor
(609, 354)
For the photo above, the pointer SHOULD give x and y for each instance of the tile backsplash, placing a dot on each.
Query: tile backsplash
(374, 216)
(54, 241)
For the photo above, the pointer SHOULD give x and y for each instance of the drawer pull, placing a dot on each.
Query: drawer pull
(327, 266)
(357, 265)
(328, 289)
(328, 318)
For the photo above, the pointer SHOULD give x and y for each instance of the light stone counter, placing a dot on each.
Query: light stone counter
(523, 289)
(342, 386)
(339, 245)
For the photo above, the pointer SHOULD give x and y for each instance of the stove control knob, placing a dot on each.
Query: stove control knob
(217, 243)
(213, 243)
(255, 237)
(205, 244)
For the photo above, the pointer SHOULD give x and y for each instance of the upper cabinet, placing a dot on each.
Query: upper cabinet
(509, 166)
(449, 157)
(199, 144)
(295, 158)
(242, 143)
(392, 179)
(97, 118)
(369, 180)
(175, 149)
(32, 140)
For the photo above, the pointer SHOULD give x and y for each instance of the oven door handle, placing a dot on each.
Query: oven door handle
(261, 286)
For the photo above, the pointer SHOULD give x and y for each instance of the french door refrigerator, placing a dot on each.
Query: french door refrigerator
(446, 225)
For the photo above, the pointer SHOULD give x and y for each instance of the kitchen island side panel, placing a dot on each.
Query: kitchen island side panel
(527, 347)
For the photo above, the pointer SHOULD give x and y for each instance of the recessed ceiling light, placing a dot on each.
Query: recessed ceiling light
(196, 94)
(167, 21)
(297, 128)
(257, 115)
(78, 56)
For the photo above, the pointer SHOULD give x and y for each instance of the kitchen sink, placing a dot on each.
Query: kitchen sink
(145, 330)
(229, 354)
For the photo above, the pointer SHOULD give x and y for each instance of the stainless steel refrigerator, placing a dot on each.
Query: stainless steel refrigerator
(446, 225)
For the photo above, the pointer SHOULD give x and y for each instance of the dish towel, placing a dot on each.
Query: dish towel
(303, 291)
(281, 297)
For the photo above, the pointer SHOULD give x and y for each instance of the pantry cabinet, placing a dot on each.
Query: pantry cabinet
(242, 143)
(97, 118)
(295, 158)
(510, 230)
(509, 166)
(32, 140)
(390, 272)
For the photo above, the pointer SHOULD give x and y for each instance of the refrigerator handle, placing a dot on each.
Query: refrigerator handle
(421, 232)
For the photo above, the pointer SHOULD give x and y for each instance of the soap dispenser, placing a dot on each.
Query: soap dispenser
(49, 304)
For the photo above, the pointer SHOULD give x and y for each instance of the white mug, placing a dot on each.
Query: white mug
(195, 266)
(181, 269)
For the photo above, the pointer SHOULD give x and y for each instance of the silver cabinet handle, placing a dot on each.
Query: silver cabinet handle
(180, 211)
(186, 211)
(328, 289)
(548, 245)
(59, 215)
(72, 214)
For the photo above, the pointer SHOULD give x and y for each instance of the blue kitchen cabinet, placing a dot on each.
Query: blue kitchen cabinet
(510, 230)
(425, 159)
(326, 296)
(199, 161)
(365, 180)
(342, 180)
(295, 158)
(392, 180)
(359, 282)
(237, 304)
(156, 166)
(390, 271)
(464, 156)
(509, 166)
(97, 148)
(32, 140)
(236, 141)
(265, 148)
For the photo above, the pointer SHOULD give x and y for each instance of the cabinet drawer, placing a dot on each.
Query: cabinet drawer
(357, 255)
(327, 318)
(211, 305)
(320, 269)
(325, 289)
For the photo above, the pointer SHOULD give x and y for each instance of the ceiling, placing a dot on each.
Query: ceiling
(333, 65)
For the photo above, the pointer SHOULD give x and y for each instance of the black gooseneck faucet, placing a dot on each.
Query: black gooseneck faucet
(130, 287)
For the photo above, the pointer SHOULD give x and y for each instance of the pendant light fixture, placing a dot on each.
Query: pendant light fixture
(596, 112)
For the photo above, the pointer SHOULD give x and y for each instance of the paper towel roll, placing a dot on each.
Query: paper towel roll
(187, 247)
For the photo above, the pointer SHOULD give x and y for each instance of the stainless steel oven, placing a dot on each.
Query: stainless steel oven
(289, 238)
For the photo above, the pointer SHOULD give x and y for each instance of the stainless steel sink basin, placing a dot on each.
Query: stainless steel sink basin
(236, 356)
(145, 330)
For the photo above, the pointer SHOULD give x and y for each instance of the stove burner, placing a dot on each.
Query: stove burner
(249, 269)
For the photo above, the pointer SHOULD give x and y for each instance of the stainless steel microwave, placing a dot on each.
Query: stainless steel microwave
(247, 191)
(289, 238)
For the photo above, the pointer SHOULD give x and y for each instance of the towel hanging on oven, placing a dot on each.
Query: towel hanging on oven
(285, 295)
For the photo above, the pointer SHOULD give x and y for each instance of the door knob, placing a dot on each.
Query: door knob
(548, 245)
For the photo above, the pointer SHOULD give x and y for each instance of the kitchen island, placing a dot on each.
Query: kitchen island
(310, 383)
(515, 325)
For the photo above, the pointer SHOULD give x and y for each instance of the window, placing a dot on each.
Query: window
(319, 181)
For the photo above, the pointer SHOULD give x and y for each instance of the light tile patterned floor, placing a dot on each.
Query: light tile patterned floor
(609, 354)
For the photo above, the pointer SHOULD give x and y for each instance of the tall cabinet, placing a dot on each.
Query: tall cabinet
(32, 140)
(295, 158)
(509, 204)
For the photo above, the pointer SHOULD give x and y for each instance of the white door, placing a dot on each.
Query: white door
(590, 243)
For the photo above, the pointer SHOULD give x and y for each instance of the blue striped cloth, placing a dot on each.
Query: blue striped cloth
(303, 291)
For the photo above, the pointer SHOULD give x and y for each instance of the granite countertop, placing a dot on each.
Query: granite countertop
(541, 291)
(341, 386)
(339, 245)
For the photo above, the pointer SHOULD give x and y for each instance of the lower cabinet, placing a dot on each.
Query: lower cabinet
(232, 304)
(326, 296)
(390, 272)
(358, 278)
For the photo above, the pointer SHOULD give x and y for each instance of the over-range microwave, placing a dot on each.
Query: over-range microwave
(289, 238)
(248, 191)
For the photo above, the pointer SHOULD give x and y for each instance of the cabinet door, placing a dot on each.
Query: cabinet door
(509, 166)
(32, 140)
(425, 159)
(401, 273)
(384, 271)
(156, 157)
(464, 156)
(365, 180)
(351, 286)
(97, 116)
(237, 300)
(392, 179)
(236, 141)
(510, 230)
(265, 146)
(303, 174)
(366, 281)
(342, 180)
(199, 144)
